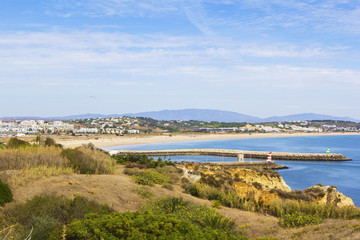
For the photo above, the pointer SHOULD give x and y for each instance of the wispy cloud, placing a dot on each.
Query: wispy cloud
(319, 16)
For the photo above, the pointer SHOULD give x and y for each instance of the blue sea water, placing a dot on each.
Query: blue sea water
(301, 174)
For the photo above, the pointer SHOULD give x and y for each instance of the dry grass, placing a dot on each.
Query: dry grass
(16, 178)
(280, 208)
(87, 161)
(21, 165)
(28, 157)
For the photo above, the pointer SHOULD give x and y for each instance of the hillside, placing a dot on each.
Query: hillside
(206, 115)
(119, 192)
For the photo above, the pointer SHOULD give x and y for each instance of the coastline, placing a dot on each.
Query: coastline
(102, 141)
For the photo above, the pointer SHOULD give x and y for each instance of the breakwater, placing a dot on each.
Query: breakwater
(237, 153)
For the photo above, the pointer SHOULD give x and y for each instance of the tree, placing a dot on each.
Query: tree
(38, 139)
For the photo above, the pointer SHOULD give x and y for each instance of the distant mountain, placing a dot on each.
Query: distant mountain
(71, 117)
(200, 115)
(307, 117)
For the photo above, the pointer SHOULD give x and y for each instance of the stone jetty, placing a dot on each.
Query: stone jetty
(240, 154)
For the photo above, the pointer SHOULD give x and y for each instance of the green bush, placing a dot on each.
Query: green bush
(42, 228)
(166, 218)
(16, 143)
(144, 192)
(5, 194)
(149, 177)
(149, 162)
(299, 219)
(51, 142)
(205, 191)
(171, 172)
(47, 213)
(168, 186)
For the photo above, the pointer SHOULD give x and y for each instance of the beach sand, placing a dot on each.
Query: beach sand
(101, 141)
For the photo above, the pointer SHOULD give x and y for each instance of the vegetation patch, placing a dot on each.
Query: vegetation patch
(15, 178)
(166, 218)
(87, 161)
(149, 177)
(168, 186)
(161, 175)
(299, 219)
(29, 156)
(45, 215)
(16, 143)
(144, 160)
(144, 192)
(279, 208)
(5, 194)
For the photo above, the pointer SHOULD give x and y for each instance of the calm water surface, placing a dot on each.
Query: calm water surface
(301, 174)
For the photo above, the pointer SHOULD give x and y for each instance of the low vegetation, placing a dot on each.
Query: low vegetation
(150, 177)
(141, 161)
(45, 216)
(5, 194)
(298, 219)
(280, 208)
(21, 161)
(165, 218)
(87, 161)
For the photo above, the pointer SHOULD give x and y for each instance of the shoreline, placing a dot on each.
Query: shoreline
(102, 141)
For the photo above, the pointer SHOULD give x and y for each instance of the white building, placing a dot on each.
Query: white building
(133, 131)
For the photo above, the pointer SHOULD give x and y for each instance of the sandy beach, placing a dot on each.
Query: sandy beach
(101, 141)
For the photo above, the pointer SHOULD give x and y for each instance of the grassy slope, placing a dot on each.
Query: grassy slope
(118, 192)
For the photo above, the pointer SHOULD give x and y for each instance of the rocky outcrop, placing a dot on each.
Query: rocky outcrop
(333, 197)
(257, 185)
(265, 185)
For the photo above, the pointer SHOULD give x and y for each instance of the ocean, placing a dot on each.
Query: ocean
(301, 174)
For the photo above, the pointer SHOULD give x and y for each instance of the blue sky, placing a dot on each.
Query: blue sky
(256, 57)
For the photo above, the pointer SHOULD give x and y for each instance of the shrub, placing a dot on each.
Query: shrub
(142, 159)
(49, 142)
(216, 204)
(145, 225)
(167, 186)
(149, 177)
(165, 218)
(299, 219)
(231, 199)
(171, 173)
(205, 191)
(57, 211)
(5, 194)
(16, 143)
(87, 161)
(42, 227)
(167, 205)
(279, 208)
(144, 192)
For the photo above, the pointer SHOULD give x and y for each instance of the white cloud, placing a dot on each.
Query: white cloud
(89, 58)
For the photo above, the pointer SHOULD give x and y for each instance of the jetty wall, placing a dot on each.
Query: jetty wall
(235, 153)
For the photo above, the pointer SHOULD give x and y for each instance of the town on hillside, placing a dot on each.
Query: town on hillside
(142, 125)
